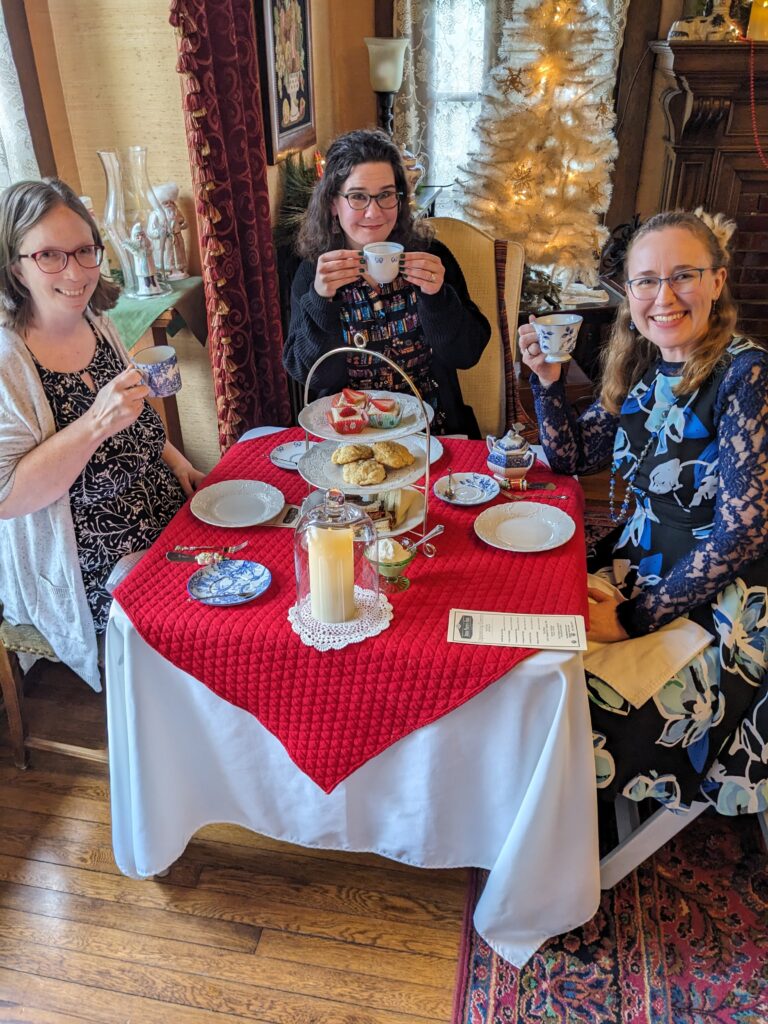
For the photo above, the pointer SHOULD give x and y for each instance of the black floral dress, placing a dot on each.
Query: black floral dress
(126, 494)
(695, 544)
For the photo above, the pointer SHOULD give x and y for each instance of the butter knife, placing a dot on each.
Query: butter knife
(202, 557)
(525, 486)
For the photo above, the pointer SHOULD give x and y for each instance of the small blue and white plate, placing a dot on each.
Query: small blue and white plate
(287, 455)
(468, 488)
(229, 582)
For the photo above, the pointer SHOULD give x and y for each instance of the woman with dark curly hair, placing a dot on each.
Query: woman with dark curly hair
(86, 472)
(683, 417)
(424, 320)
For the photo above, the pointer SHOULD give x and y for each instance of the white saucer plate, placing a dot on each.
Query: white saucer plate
(287, 455)
(468, 488)
(317, 469)
(237, 503)
(229, 582)
(524, 526)
(312, 418)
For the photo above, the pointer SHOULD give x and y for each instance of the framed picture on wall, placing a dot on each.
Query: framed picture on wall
(283, 33)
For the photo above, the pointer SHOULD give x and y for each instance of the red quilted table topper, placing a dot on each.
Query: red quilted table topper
(333, 710)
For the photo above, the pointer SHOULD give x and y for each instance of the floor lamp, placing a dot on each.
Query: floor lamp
(386, 64)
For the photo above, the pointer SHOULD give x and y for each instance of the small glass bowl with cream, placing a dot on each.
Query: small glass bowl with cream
(392, 559)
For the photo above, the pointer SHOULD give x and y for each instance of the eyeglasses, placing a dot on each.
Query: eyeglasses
(52, 261)
(681, 283)
(386, 200)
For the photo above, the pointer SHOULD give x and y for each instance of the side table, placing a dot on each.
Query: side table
(142, 323)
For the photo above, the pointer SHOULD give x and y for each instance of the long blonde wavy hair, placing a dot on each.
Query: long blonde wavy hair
(628, 354)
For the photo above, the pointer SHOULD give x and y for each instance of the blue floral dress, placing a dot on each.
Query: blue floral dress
(695, 544)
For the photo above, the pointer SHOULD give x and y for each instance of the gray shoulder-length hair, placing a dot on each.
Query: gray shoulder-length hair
(21, 206)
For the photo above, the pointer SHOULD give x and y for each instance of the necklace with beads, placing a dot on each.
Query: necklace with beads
(630, 478)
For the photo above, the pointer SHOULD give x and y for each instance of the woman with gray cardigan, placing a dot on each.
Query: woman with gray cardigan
(86, 473)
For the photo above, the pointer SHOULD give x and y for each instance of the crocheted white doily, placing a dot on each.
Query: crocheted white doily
(374, 614)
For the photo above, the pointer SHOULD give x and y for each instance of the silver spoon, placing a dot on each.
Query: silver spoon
(449, 491)
(429, 549)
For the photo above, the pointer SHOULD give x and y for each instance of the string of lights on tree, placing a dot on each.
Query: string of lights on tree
(539, 172)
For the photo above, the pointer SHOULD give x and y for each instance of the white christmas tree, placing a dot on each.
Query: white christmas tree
(539, 171)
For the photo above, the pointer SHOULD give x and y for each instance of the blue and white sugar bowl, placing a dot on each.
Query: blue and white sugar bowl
(510, 457)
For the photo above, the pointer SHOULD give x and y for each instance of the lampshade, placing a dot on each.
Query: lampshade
(758, 20)
(386, 60)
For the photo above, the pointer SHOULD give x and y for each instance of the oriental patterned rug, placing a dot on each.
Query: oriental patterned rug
(682, 940)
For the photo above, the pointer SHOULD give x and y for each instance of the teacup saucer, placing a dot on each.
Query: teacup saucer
(229, 582)
(468, 488)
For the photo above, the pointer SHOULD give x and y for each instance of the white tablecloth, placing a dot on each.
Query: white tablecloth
(505, 782)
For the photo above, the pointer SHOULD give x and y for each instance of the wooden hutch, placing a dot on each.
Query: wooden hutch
(711, 158)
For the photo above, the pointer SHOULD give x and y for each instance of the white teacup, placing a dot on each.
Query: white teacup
(160, 369)
(383, 260)
(556, 334)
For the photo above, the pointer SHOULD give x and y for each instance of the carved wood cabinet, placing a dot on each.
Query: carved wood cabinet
(711, 158)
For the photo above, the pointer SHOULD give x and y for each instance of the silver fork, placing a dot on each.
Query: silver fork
(212, 547)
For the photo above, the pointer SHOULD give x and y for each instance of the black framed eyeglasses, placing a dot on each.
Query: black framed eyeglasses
(386, 200)
(682, 282)
(52, 261)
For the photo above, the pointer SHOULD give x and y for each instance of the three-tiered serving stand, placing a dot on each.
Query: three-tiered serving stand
(321, 429)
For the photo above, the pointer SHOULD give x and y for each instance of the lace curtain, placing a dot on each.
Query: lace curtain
(453, 46)
(17, 157)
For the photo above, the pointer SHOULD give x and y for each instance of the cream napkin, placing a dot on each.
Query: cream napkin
(638, 668)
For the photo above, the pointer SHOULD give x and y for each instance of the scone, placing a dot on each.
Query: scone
(364, 473)
(392, 454)
(351, 453)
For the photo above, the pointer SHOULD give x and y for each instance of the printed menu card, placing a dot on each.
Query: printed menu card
(508, 629)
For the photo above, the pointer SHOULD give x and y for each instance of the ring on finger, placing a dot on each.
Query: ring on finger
(432, 278)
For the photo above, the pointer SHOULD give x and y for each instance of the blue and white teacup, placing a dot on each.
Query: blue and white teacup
(160, 369)
(556, 334)
(383, 260)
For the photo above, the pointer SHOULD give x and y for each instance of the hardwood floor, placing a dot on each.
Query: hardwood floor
(243, 927)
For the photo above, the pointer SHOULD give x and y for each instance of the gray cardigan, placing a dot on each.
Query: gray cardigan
(40, 579)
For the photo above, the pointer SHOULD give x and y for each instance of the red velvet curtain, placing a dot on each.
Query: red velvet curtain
(225, 135)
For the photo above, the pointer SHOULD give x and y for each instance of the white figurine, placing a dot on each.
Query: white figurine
(174, 253)
(716, 26)
(140, 249)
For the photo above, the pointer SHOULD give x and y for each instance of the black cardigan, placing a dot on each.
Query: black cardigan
(455, 329)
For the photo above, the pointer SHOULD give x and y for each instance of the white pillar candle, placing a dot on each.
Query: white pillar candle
(331, 574)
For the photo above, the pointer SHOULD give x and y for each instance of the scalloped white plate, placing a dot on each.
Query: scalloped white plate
(312, 418)
(524, 526)
(317, 469)
(237, 503)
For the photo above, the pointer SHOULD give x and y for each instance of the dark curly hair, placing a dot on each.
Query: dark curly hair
(320, 230)
(21, 206)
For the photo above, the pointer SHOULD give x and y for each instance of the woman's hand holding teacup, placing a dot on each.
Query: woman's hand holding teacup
(119, 403)
(533, 357)
(336, 269)
(423, 270)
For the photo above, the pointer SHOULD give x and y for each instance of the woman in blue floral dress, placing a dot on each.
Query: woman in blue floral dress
(683, 415)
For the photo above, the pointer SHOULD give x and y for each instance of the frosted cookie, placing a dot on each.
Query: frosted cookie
(351, 453)
(392, 454)
(364, 473)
